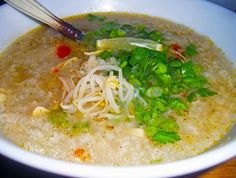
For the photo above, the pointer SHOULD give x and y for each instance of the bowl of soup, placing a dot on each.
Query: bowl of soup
(148, 92)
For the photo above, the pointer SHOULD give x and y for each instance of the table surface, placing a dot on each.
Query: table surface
(226, 170)
(11, 168)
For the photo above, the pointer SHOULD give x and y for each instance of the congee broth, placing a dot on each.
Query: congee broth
(136, 90)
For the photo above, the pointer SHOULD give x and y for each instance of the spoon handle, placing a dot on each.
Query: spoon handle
(34, 9)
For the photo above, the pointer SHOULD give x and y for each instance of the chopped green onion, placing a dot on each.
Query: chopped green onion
(156, 36)
(135, 82)
(191, 50)
(161, 106)
(175, 63)
(177, 104)
(161, 68)
(165, 78)
(92, 17)
(187, 69)
(117, 33)
(106, 54)
(154, 92)
(123, 64)
(176, 88)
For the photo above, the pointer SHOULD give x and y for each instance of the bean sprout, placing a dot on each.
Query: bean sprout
(102, 92)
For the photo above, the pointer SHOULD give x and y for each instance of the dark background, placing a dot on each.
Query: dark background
(12, 169)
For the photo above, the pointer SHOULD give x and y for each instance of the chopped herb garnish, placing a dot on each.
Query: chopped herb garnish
(192, 97)
(177, 104)
(92, 17)
(204, 92)
(154, 92)
(106, 54)
(58, 117)
(164, 81)
(156, 36)
(80, 127)
(191, 50)
(156, 161)
(166, 137)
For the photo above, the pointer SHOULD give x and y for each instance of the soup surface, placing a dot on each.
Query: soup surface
(176, 106)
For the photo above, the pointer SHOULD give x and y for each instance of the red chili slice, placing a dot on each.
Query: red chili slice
(63, 51)
(55, 70)
(178, 50)
(176, 47)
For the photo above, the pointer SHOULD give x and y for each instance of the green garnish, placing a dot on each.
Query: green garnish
(156, 36)
(161, 68)
(156, 161)
(204, 92)
(192, 97)
(111, 29)
(158, 80)
(80, 127)
(106, 54)
(92, 17)
(165, 82)
(166, 137)
(58, 117)
(117, 33)
(177, 104)
(191, 50)
(154, 92)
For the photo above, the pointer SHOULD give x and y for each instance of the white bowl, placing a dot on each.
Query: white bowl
(206, 18)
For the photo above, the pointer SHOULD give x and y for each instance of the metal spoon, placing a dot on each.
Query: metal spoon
(35, 10)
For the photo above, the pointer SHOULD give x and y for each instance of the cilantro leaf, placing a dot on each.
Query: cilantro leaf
(192, 97)
(187, 69)
(204, 92)
(166, 137)
(169, 125)
(191, 50)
